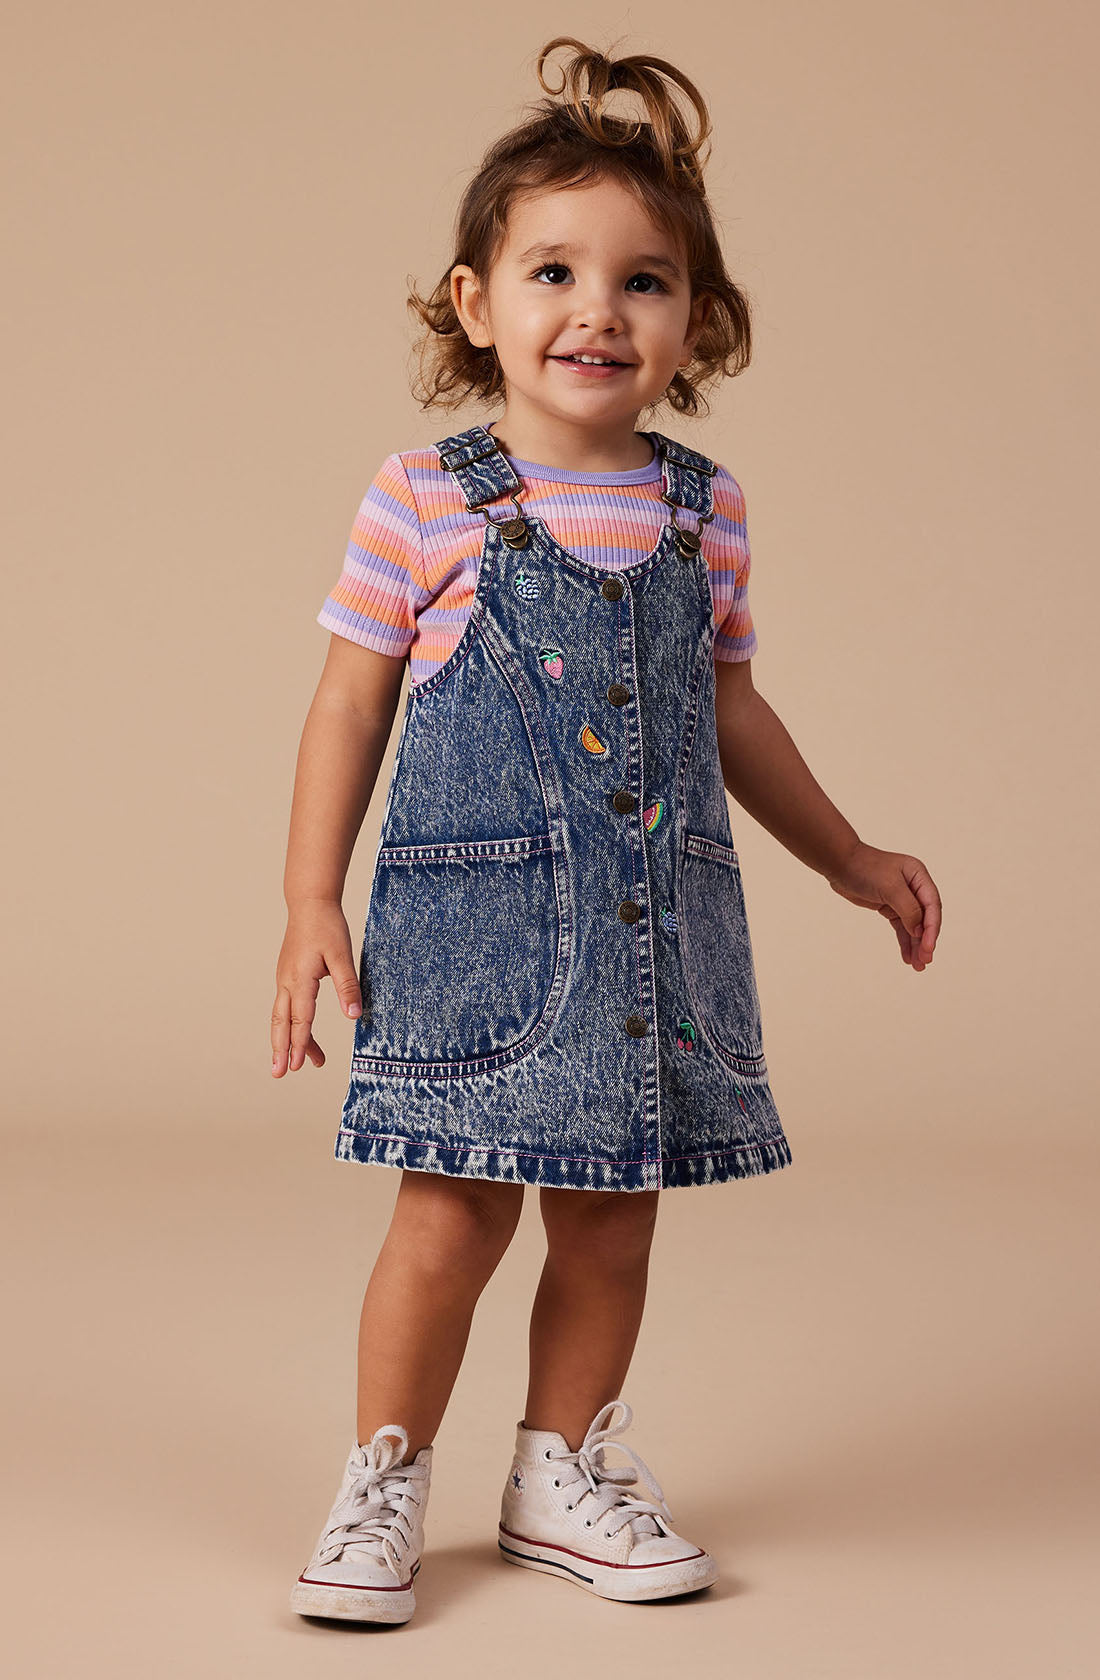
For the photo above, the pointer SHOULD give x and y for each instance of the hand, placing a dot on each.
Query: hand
(317, 942)
(900, 888)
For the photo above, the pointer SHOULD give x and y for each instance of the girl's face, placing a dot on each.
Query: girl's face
(583, 268)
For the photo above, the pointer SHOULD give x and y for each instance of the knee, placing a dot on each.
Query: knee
(612, 1229)
(454, 1222)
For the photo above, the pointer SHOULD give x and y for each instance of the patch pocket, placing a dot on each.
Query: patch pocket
(460, 950)
(716, 949)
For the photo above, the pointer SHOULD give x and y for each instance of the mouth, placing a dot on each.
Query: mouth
(601, 369)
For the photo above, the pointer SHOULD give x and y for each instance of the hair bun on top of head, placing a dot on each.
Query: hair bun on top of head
(590, 76)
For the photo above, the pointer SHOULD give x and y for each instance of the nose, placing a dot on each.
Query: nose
(598, 310)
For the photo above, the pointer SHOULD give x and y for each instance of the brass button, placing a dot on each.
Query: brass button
(635, 1026)
(618, 695)
(629, 911)
(611, 589)
(623, 800)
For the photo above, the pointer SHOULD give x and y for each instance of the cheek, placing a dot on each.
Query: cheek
(664, 329)
(534, 323)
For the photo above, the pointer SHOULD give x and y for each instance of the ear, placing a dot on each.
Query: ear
(470, 305)
(700, 314)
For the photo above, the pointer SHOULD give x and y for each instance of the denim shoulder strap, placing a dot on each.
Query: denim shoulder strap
(687, 476)
(479, 464)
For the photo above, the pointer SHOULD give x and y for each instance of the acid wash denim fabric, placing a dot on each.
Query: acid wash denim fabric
(557, 977)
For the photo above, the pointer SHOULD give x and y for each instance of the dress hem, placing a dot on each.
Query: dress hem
(748, 1160)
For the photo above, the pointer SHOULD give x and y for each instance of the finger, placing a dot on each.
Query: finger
(303, 1008)
(905, 943)
(932, 906)
(312, 1051)
(909, 937)
(280, 1032)
(307, 1049)
(910, 909)
(346, 981)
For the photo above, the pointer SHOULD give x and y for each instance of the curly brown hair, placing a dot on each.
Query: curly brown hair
(573, 143)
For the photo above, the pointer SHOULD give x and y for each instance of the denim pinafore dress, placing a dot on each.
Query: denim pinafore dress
(557, 979)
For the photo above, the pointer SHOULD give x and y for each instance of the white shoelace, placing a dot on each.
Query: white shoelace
(368, 1514)
(600, 1488)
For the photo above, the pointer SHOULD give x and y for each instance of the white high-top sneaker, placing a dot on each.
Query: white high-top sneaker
(568, 1514)
(368, 1553)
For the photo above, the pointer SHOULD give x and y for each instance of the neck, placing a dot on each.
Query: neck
(570, 446)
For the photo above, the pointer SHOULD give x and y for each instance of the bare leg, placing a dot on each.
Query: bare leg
(445, 1240)
(588, 1306)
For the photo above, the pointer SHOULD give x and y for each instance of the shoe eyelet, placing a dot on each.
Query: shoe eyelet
(546, 1454)
(569, 1507)
(588, 1522)
(556, 1482)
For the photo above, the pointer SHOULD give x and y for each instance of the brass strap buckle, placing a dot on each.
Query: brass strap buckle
(515, 531)
(688, 542)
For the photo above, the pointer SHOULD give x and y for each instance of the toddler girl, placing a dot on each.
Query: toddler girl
(556, 983)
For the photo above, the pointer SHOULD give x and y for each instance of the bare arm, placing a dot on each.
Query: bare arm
(766, 773)
(343, 743)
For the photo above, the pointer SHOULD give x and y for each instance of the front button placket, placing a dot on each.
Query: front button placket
(622, 664)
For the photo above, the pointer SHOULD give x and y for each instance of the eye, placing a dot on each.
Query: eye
(550, 268)
(660, 285)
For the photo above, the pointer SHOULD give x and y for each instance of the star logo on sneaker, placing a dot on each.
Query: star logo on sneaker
(517, 1478)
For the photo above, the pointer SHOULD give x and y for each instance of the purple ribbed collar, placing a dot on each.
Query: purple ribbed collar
(568, 475)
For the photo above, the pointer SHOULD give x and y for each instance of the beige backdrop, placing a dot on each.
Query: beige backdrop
(868, 1382)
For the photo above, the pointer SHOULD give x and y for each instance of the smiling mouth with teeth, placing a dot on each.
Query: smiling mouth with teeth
(595, 361)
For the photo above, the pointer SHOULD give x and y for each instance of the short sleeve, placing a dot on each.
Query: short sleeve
(735, 634)
(381, 587)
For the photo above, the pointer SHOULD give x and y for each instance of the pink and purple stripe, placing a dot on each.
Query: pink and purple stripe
(410, 570)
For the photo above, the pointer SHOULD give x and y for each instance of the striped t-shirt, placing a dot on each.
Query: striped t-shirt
(410, 571)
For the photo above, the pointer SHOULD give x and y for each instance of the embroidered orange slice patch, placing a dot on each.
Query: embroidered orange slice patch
(590, 741)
